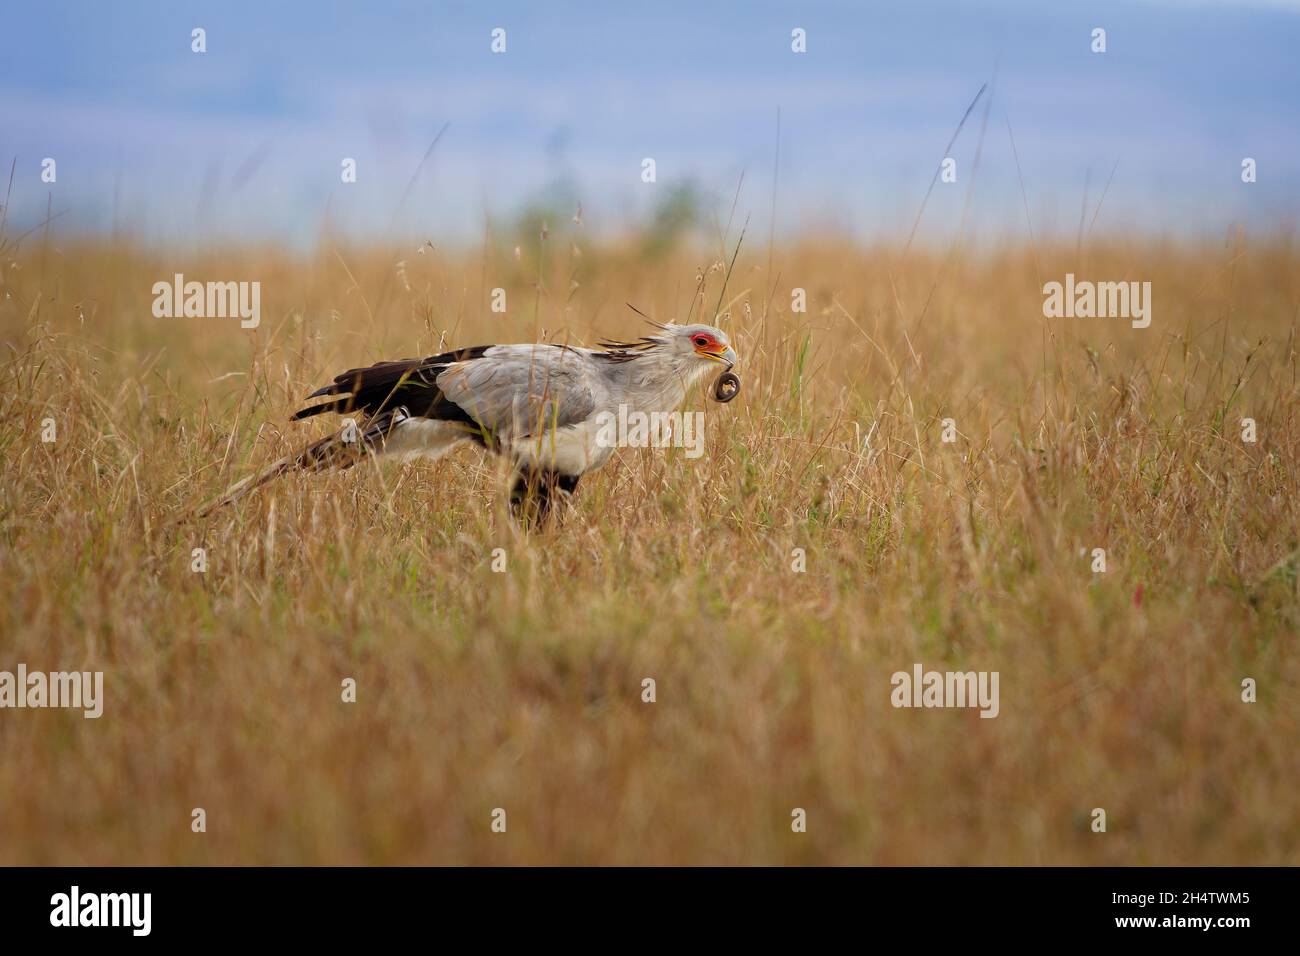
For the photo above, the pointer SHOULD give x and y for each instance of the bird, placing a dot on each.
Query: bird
(538, 404)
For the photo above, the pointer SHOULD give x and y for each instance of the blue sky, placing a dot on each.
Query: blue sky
(245, 141)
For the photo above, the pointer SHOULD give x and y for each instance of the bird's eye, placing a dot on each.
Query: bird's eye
(701, 341)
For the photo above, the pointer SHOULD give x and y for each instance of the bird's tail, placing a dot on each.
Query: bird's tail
(343, 449)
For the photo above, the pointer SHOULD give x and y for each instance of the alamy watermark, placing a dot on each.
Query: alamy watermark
(1099, 300)
(922, 688)
(208, 300)
(76, 689)
(75, 908)
(634, 429)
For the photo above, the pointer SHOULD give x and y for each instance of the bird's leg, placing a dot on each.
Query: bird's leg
(526, 501)
(534, 493)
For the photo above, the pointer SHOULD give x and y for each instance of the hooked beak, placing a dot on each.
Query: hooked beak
(727, 357)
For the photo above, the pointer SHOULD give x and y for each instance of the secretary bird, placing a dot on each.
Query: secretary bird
(537, 404)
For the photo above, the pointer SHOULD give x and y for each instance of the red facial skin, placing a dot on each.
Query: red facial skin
(705, 343)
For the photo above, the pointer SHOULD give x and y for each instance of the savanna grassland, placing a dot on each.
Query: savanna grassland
(523, 689)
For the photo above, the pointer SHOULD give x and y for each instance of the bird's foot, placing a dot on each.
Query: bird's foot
(539, 497)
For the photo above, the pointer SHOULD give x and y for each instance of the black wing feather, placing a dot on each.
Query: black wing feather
(410, 383)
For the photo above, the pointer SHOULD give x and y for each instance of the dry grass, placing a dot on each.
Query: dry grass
(522, 690)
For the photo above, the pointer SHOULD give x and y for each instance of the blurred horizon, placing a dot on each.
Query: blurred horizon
(243, 143)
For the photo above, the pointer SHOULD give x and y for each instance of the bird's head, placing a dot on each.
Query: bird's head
(701, 343)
